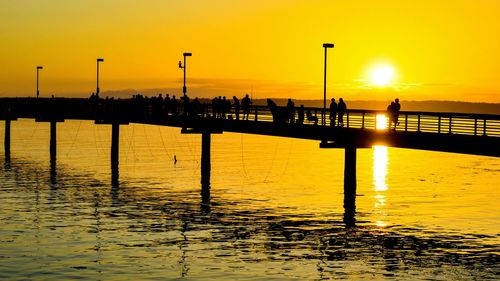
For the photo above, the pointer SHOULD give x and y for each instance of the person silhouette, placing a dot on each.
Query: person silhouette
(245, 104)
(290, 111)
(236, 104)
(341, 109)
(396, 109)
(390, 114)
(333, 112)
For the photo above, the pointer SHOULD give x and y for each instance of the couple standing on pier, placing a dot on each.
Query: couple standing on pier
(393, 113)
(340, 109)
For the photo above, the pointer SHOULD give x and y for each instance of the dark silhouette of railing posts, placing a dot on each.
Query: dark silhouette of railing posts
(449, 126)
(406, 122)
(475, 126)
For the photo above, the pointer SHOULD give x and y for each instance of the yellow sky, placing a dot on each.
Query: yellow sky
(447, 50)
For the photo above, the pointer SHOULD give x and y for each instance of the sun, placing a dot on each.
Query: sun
(382, 75)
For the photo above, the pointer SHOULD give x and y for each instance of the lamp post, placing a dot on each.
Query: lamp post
(37, 70)
(323, 119)
(181, 66)
(97, 87)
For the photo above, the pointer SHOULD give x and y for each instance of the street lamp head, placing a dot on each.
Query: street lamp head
(39, 67)
(100, 60)
(187, 54)
(328, 45)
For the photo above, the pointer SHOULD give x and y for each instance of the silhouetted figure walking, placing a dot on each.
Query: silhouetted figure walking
(173, 106)
(341, 109)
(333, 112)
(215, 102)
(245, 104)
(236, 105)
(219, 107)
(223, 107)
(290, 111)
(390, 114)
(397, 108)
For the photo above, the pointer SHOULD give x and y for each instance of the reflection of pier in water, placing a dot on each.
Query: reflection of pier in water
(276, 237)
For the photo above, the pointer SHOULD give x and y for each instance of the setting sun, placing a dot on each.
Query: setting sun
(382, 75)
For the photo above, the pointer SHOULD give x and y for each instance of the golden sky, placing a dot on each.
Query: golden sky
(446, 50)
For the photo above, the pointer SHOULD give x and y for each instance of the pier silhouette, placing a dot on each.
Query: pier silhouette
(477, 134)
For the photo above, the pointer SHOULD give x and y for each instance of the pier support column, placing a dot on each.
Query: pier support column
(205, 160)
(115, 144)
(53, 141)
(350, 180)
(6, 143)
(115, 148)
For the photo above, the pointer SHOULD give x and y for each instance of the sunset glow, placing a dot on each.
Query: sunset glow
(242, 140)
(382, 75)
(271, 47)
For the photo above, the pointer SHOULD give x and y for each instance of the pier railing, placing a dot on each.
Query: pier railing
(408, 121)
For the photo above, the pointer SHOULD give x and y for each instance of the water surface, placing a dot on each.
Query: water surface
(275, 209)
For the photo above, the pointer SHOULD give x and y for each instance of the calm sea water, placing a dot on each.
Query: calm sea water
(275, 210)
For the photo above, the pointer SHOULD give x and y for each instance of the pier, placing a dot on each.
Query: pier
(476, 134)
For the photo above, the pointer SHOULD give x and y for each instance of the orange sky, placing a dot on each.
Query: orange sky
(446, 50)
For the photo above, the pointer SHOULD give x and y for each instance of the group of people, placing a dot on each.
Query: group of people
(301, 113)
(222, 106)
(337, 110)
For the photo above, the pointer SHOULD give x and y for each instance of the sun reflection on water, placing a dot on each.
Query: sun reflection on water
(380, 163)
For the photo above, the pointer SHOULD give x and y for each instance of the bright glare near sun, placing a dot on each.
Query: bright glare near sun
(381, 122)
(382, 75)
